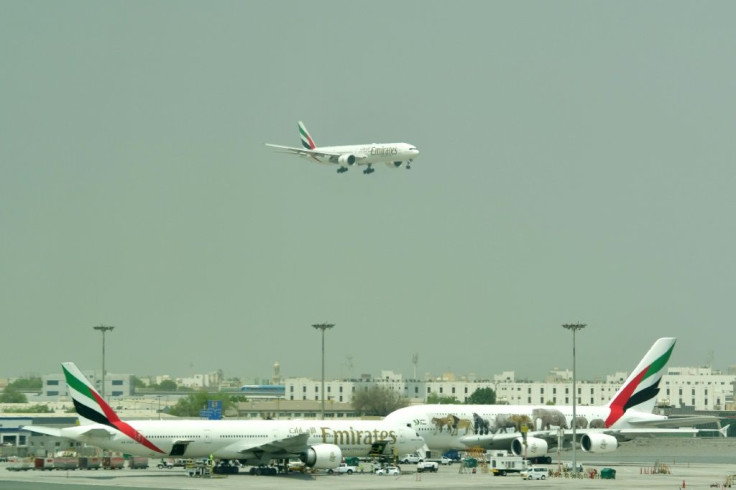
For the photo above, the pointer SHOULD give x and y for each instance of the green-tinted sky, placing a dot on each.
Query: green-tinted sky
(577, 165)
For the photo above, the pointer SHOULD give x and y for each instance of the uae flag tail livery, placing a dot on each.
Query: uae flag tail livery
(307, 141)
(639, 392)
(93, 409)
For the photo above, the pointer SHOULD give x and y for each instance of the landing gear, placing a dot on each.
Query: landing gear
(408, 165)
(342, 170)
(369, 170)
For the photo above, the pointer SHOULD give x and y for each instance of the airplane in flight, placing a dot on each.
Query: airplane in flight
(320, 444)
(392, 154)
(599, 429)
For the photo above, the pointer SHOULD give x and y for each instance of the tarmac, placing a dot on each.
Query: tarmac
(675, 456)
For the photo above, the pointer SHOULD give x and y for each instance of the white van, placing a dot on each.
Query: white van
(535, 473)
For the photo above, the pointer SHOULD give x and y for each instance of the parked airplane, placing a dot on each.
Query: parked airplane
(318, 443)
(599, 429)
(392, 154)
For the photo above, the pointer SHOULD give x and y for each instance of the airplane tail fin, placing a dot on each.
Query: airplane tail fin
(87, 401)
(93, 409)
(307, 141)
(640, 389)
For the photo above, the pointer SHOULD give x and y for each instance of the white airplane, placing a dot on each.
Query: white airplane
(392, 154)
(319, 444)
(599, 429)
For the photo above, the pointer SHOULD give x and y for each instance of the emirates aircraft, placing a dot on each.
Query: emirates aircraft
(392, 154)
(599, 429)
(319, 444)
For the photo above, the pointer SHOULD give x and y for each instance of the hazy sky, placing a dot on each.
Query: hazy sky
(577, 164)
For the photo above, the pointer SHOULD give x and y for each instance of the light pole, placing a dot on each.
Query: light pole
(323, 327)
(574, 327)
(103, 329)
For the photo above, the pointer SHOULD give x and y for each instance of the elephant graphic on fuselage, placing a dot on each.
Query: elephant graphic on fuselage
(549, 418)
(597, 424)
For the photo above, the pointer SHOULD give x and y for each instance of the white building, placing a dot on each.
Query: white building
(53, 386)
(694, 388)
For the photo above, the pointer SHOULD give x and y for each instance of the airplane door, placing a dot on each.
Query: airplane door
(207, 436)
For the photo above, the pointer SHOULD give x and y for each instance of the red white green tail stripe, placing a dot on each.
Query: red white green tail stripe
(307, 141)
(642, 386)
(90, 405)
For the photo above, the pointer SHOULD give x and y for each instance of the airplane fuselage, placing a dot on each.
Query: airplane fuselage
(446, 427)
(368, 154)
(226, 439)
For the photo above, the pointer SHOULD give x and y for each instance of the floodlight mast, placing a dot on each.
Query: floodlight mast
(574, 327)
(103, 329)
(323, 327)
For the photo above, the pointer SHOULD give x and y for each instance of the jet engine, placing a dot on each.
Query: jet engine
(598, 443)
(322, 456)
(534, 447)
(346, 159)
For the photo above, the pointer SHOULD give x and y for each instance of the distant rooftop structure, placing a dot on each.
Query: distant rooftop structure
(263, 391)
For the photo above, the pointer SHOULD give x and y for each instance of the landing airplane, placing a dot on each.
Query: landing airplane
(392, 154)
(318, 443)
(599, 429)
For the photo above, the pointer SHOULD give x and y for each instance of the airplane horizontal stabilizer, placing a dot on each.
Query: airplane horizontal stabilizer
(40, 429)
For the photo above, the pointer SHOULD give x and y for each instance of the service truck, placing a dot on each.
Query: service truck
(501, 463)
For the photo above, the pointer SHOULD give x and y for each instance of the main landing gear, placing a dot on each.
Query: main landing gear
(342, 170)
(369, 170)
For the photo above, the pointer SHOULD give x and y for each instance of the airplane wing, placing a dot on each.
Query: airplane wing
(315, 154)
(277, 448)
(503, 441)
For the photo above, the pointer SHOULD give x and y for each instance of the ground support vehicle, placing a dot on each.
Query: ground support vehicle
(89, 463)
(113, 463)
(344, 468)
(199, 470)
(138, 463)
(20, 464)
(367, 467)
(66, 463)
(535, 473)
(388, 470)
(411, 459)
(428, 466)
(501, 463)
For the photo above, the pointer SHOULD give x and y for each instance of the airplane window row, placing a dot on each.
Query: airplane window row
(172, 437)
(241, 436)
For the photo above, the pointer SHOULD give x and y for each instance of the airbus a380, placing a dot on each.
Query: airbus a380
(598, 428)
(392, 154)
(319, 444)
